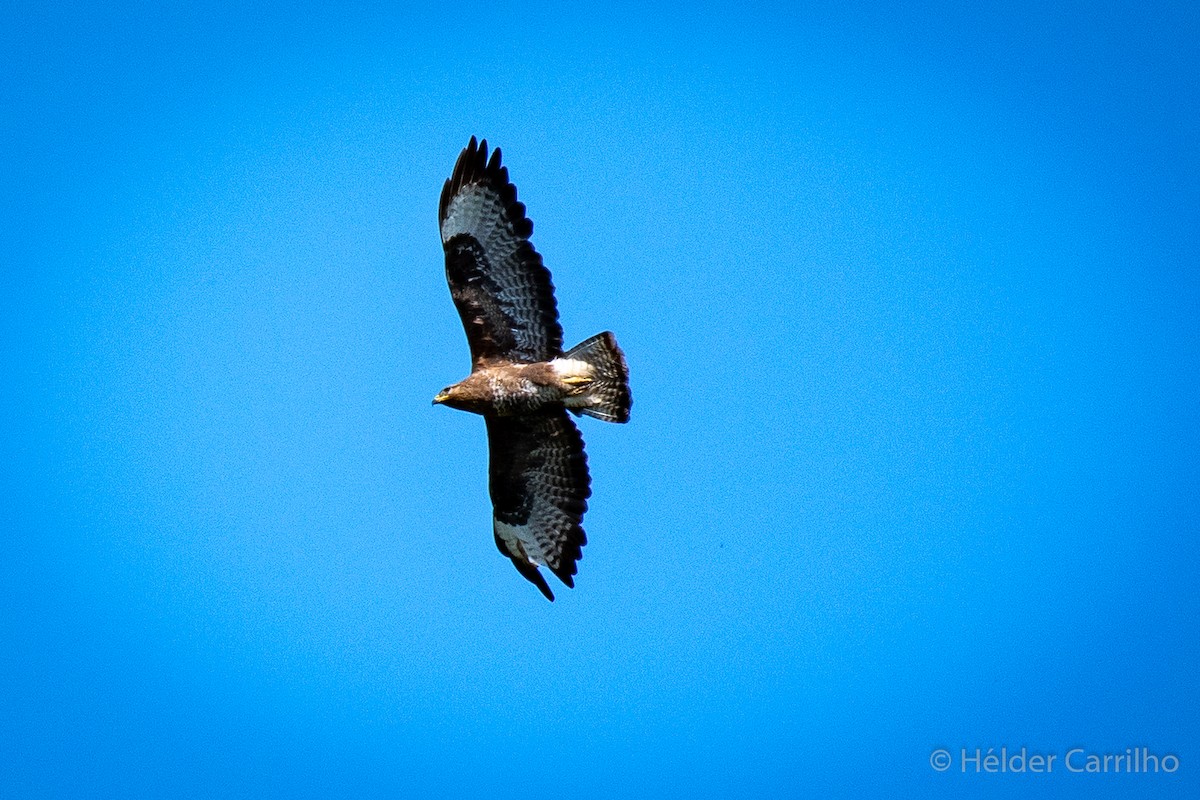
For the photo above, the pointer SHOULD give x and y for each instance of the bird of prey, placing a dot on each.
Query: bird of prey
(521, 381)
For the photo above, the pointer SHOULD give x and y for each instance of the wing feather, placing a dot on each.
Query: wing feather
(503, 292)
(540, 486)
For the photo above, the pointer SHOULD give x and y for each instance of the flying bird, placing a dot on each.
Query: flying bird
(521, 381)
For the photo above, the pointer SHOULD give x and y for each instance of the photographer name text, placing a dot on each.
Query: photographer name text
(1131, 760)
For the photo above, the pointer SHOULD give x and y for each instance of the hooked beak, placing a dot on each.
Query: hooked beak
(440, 398)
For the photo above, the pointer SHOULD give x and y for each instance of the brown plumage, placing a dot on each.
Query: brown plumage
(521, 382)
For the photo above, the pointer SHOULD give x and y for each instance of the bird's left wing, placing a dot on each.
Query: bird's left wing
(502, 290)
(539, 484)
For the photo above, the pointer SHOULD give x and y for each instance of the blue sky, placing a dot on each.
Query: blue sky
(909, 298)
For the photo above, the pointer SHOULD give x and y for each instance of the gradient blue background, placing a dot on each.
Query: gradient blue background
(910, 299)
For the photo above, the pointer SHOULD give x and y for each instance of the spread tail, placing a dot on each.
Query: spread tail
(607, 394)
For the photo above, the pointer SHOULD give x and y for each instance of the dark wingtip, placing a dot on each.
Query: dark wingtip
(535, 577)
(571, 554)
(528, 571)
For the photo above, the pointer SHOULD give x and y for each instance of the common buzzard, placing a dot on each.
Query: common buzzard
(521, 381)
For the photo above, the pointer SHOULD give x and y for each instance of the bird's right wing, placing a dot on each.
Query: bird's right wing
(539, 484)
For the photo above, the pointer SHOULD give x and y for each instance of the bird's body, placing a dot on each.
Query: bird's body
(521, 381)
(508, 388)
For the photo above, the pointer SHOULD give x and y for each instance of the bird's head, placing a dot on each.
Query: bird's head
(455, 396)
(444, 395)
